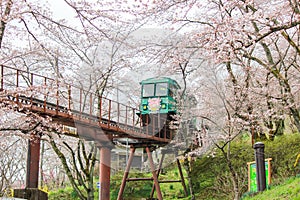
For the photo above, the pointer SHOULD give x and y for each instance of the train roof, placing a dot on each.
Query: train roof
(160, 80)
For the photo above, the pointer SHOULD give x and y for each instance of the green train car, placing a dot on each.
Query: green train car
(158, 104)
(159, 95)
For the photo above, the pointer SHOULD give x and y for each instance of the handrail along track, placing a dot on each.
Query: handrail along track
(70, 105)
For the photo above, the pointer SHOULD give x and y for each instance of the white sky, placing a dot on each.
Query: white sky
(61, 10)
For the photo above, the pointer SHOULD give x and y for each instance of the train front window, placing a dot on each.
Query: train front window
(148, 90)
(161, 89)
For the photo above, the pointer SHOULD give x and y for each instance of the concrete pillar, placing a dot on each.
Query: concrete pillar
(104, 172)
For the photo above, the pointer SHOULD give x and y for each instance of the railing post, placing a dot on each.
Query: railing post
(100, 108)
(17, 85)
(31, 79)
(2, 77)
(109, 112)
(141, 121)
(126, 116)
(57, 97)
(91, 106)
(31, 85)
(45, 96)
(153, 121)
(17, 78)
(80, 103)
(165, 129)
(147, 123)
(133, 116)
(159, 125)
(69, 97)
(118, 113)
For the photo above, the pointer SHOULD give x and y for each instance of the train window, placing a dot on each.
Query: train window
(148, 90)
(161, 89)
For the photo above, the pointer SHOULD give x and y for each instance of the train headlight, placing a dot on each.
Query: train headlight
(163, 106)
(145, 107)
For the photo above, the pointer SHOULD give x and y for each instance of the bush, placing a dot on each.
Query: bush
(283, 151)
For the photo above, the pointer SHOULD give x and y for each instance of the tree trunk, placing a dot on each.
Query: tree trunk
(93, 155)
(296, 116)
(234, 177)
(234, 181)
(67, 169)
(3, 23)
(187, 166)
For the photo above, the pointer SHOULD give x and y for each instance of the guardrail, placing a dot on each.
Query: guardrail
(48, 94)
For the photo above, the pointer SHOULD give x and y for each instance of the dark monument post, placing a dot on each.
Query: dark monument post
(260, 166)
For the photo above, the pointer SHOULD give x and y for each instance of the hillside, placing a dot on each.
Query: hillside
(210, 176)
(290, 189)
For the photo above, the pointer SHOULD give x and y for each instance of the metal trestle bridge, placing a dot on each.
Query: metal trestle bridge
(95, 118)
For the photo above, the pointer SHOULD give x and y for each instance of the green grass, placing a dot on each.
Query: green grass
(135, 190)
(289, 190)
(142, 189)
(172, 191)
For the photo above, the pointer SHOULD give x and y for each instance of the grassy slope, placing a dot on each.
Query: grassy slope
(283, 147)
(289, 190)
(133, 190)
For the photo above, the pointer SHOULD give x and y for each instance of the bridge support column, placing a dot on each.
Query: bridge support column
(154, 174)
(104, 171)
(122, 188)
(126, 173)
(31, 191)
(157, 173)
(33, 161)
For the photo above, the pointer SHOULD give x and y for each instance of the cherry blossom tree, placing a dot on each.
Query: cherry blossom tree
(78, 162)
(254, 46)
(13, 161)
(50, 43)
(29, 21)
(250, 46)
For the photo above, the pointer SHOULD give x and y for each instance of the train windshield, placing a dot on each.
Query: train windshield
(148, 90)
(161, 89)
(158, 89)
